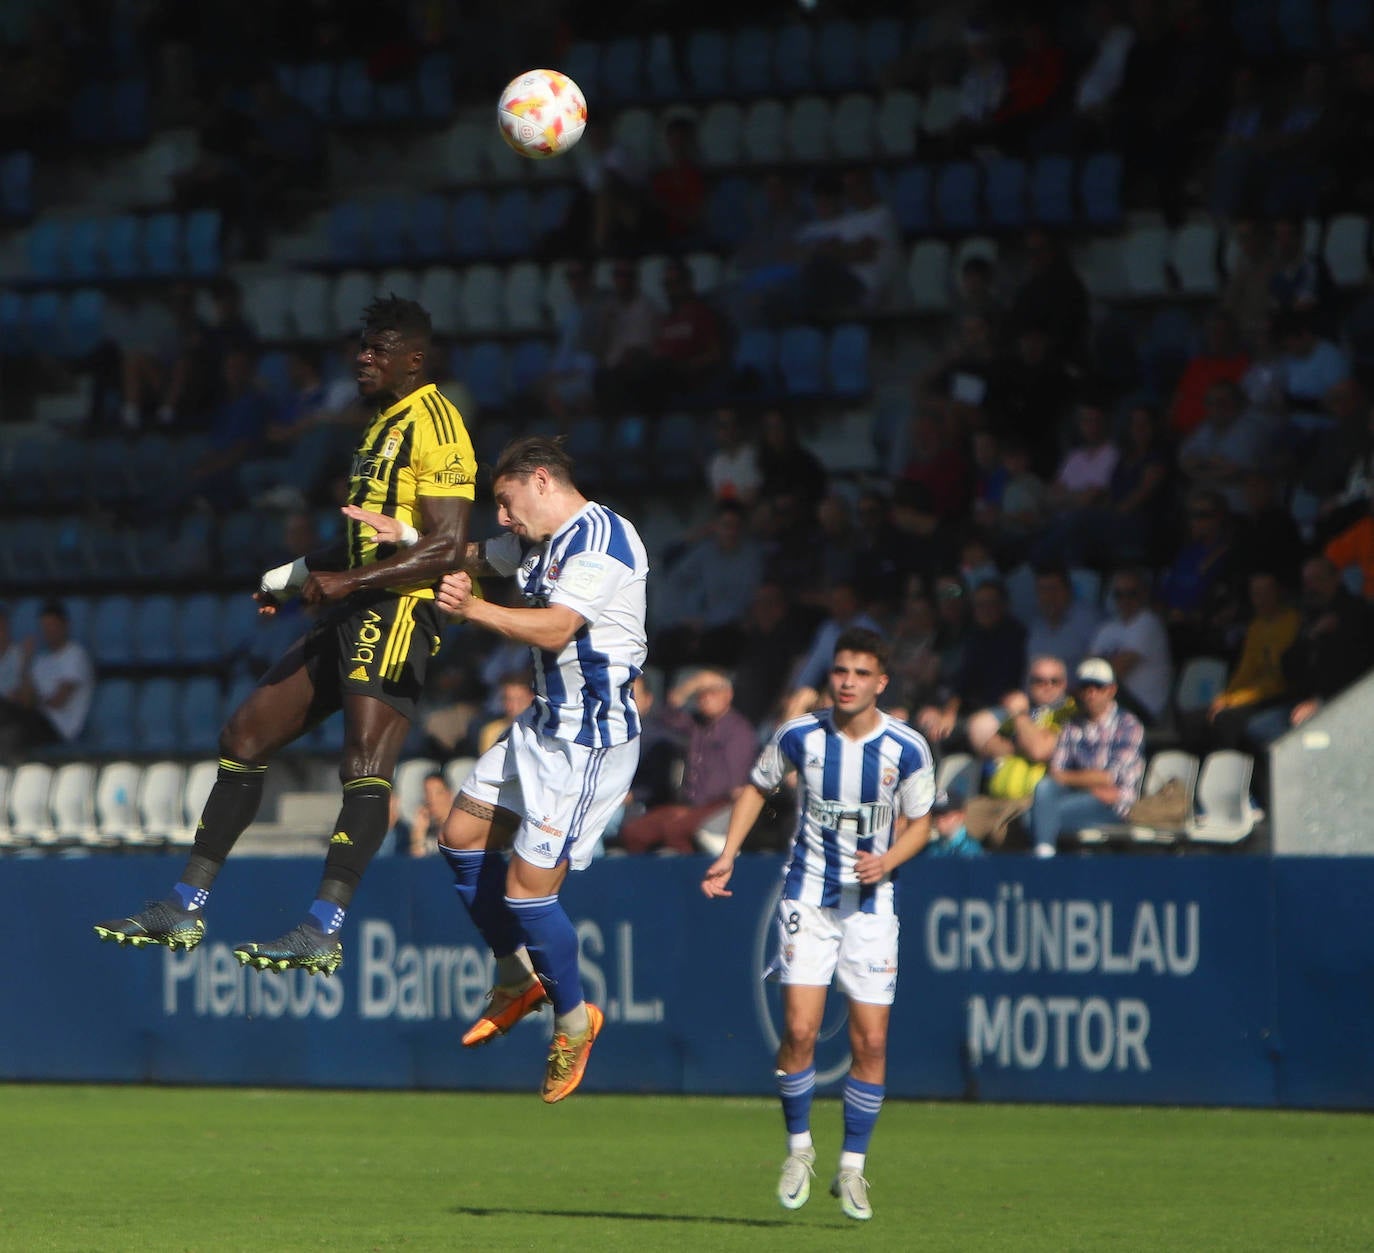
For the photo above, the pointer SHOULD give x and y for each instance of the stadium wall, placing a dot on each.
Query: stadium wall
(1212, 980)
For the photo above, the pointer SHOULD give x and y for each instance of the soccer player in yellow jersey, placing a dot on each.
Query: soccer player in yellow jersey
(366, 653)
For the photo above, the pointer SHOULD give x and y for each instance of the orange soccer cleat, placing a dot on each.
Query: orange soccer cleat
(506, 1007)
(568, 1058)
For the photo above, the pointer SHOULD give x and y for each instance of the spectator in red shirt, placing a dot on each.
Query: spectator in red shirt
(689, 348)
(678, 189)
(1221, 360)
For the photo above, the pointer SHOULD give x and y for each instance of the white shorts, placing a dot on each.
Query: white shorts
(857, 950)
(563, 792)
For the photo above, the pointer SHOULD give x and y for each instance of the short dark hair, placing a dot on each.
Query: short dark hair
(522, 457)
(53, 609)
(407, 318)
(1054, 570)
(862, 640)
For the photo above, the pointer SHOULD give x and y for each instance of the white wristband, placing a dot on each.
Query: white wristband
(409, 536)
(285, 580)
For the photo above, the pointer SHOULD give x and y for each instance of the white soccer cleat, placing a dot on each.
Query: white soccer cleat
(852, 1189)
(794, 1187)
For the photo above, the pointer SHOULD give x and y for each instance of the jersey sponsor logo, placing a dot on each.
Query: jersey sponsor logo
(454, 474)
(369, 635)
(884, 967)
(366, 467)
(544, 848)
(358, 674)
(866, 819)
(546, 827)
(340, 837)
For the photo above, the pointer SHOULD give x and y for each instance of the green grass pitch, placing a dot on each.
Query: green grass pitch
(124, 1168)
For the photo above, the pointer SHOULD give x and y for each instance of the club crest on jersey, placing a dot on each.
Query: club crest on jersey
(392, 445)
(889, 777)
(552, 575)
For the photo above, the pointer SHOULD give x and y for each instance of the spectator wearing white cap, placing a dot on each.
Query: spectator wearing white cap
(1095, 772)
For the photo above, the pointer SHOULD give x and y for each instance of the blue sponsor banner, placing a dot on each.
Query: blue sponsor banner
(1210, 980)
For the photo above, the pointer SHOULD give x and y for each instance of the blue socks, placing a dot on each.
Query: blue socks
(480, 881)
(326, 916)
(551, 940)
(862, 1102)
(189, 897)
(796, 1092)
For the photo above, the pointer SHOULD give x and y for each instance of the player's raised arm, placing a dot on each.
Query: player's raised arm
(479, 559)
(743, 815)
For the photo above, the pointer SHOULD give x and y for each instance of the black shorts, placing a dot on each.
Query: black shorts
(377, 644)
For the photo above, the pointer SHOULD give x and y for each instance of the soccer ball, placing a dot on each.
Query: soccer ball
(541, 113)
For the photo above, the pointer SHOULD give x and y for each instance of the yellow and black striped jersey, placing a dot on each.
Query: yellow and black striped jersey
(418, 447)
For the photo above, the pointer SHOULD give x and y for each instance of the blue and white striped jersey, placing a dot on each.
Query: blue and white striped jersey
(849, 793)
(596, 565)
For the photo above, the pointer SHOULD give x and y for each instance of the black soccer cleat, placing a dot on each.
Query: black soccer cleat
(302, 948)
(159, 922)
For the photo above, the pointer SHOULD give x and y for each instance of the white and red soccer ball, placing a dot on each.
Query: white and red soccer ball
(541, 113)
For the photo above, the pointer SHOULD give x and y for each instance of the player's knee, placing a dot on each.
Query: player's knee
(869, 1044)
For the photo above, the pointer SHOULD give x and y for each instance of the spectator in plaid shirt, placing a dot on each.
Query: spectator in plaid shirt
(1094, 775)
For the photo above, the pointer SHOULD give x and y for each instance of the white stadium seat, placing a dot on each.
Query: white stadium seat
(161, 802)
(765, 132)
(720, 135)
(117, 818)
(808, 129)
(522, 297)
(928, 275)
(1193, 253)
(353, 292)
(898, 120)
(1145, 251)
(441, 292)
(403, 283)
(852, 128)
(481, 300)
(1346, 251)
(310, 299)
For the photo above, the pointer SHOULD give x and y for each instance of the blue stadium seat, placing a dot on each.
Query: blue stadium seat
(394, 100)
(157, 720)
(389, 230)
(110, 723)
(551, 208)
(199, 627)
(128, 122)
(848, 360)
(706, 62)
(123, 246)
(315, 88)
(434, 85)
(839, 56)
(1100, 189)
(16, 186)
(751, 61)
(486, 375)
(112, 630)
(728, 210)
(1300, 26)
(661, 78)
(469, 224)
(1167, 345)
(528, 364)
(47, 242)
(1051, 191)
(274, 374)
(429, 228)
(489, 436)
(677, 447)
(13, 322)
(355, 95)
(348, 229)
(622, 70)
(45, 317)
(756, 355)
(582, 63)
(629, 451)
(587, 445)
(84, 258)
(201, 714)
(793, 56)
(162, 244)
(510, 222)
(84, 326)
(155, 630)
(204, 228)
(801, 360)
(956, 196)
(911, 189)
(884, 40)
(1005, 193)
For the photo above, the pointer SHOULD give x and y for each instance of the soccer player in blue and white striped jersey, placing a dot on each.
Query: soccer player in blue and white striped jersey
(568, 761)
(865, 785)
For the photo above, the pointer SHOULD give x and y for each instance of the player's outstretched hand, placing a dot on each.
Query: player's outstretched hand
(326, 585)
(868, 867)
(717, 876)
(388, 528)
(454, 594)
(267, 603)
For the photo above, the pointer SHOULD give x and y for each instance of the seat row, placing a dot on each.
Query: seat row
(125, 246)
(121, 803)
(344, 93)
